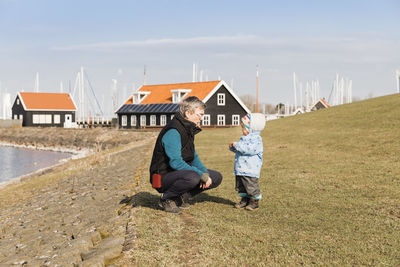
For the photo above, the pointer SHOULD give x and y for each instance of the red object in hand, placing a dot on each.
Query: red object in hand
(156, 180)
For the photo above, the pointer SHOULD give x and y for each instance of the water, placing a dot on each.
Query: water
(15, 162)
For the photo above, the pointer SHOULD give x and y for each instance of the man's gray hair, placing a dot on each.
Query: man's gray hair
(190, 104)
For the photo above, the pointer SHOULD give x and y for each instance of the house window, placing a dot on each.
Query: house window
(15, 117)
(133, 120)
(221, 99)
(124, 120)
(176, 97)
(235, 119)
(172, 116)
(42, 118)
(57, 119)
(142, 120)
(17, 101)
(179, 94)
(163, 120)
(221, 120)
(139, 96)
(48, 118)
(152, 120)
(206, 120)
(35, 119)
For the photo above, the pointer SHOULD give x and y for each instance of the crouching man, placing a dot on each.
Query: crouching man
(176, 170)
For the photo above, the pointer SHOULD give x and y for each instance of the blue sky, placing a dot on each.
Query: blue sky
(359, 40)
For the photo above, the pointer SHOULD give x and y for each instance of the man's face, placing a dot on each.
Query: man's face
(196, 116)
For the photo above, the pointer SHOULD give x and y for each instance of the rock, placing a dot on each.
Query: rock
(106, 251)
(17, 260)
(96, 237)
(93, 262)
(82, 244)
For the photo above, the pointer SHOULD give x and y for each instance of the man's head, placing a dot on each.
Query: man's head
(192, 109)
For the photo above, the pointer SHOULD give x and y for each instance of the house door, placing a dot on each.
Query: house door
(68, 118)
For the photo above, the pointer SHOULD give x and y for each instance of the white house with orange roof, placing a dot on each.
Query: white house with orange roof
(44, 109)
(155, 105)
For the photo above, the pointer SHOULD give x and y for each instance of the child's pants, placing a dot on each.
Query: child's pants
(248, 187)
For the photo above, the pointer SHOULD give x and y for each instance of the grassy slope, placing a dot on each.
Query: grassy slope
(331, 189)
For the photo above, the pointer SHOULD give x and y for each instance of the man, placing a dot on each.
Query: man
(176, 170)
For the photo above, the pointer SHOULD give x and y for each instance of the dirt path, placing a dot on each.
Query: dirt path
(189, 247)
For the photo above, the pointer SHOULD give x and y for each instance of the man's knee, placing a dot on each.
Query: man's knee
(192, 178)
(216, 177)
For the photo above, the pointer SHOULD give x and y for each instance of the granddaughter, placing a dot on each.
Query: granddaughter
(248, 160)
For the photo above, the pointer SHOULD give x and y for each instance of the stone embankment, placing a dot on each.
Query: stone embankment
(73, 214)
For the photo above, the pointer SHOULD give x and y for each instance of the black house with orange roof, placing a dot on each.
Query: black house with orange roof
(155, 105)
(320, 104)
(44, 109)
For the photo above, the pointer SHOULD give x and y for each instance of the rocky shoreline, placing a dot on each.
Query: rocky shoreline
(73, 214)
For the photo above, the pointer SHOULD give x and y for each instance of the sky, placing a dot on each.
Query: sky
(357, 39)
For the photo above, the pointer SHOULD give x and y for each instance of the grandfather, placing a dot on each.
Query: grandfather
(176, 170)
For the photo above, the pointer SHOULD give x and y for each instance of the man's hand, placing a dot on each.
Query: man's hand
(231, 144)
(207, 184)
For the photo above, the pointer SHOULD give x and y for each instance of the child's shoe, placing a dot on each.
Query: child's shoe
(243, 203)
(253, 204)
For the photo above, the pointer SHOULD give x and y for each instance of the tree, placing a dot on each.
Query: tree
(249, 101)
(280, 108)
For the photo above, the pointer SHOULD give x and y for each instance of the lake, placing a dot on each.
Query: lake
(15, 162)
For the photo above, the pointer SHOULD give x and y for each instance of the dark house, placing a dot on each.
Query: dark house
(44, 109)
(321, 104)
(155, 105)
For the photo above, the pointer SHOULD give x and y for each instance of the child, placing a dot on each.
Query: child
(248, 160)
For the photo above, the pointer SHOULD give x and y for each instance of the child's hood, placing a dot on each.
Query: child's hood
(257, 122)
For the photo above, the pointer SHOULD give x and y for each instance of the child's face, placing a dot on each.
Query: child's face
(244, 130)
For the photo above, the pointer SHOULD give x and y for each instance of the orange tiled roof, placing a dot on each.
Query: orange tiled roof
(50, 101)
(161, 93)
(324, 102)
(129, 101)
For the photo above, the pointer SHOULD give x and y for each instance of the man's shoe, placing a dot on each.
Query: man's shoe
(253, 204)
(169, 206)
(243, 203)
(181, 203)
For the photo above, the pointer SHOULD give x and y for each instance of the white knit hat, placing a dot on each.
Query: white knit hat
(257, 121)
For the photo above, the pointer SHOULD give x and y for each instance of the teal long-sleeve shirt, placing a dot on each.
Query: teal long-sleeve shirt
(171, 142)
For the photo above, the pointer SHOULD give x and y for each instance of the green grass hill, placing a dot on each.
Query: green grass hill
(331, 196)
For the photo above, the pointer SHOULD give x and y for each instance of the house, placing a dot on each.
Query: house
(155, 105)
(320, 104)
(44, 109)
(298, 111)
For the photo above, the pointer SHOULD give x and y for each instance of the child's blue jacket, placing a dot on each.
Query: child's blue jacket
(248, 155)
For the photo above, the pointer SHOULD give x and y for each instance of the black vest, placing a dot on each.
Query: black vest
(187, 130)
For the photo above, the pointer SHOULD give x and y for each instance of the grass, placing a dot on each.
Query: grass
(331, 196)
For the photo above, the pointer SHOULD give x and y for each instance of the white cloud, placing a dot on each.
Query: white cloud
(369, 48)
(165, 42)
